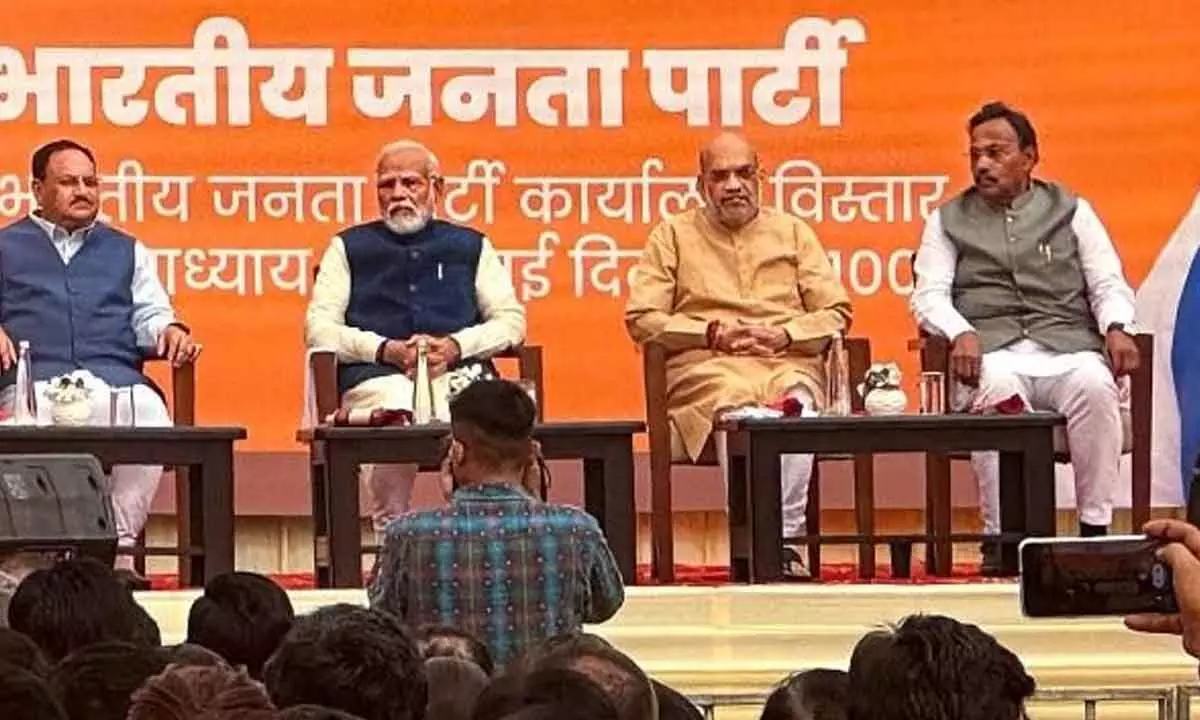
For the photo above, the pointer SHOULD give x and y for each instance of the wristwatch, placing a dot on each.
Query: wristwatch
(1122, 327)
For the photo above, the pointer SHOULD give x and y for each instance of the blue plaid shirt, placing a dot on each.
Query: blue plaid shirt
(501, 565)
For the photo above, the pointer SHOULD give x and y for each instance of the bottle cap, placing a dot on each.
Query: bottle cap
(23, 345)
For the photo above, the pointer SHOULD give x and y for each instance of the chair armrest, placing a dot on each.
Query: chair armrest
(529, 366)
(323, 368)
(183, 390)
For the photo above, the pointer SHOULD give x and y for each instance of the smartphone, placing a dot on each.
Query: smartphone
(1076, 577)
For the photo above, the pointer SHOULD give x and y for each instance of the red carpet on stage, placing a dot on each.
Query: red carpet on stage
(846, 573)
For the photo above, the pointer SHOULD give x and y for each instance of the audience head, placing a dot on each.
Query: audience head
(454, 686)
(242, 617)
(546, 692)
(492, 425)
(445, 641)
(619, 676)
(350, 658)
(77, 603)
(96, 682)
(201, 693)
(17, 649)
(809, 695)
(931, 667)
(672, 705)
(314, 712)
(25, 696)
(193, 655)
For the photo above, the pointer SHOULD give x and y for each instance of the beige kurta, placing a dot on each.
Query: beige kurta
(772, 272)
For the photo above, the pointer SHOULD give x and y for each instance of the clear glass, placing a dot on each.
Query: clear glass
(422, 387)
(837, 378)
(24, 394)
(121, 408)
(932, 391)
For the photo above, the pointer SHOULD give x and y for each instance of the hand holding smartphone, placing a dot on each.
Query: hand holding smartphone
(1077, 577)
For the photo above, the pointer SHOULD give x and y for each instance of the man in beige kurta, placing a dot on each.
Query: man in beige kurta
(744, 300)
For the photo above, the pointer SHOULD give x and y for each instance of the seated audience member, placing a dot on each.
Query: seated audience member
(242, 617)
(446, 641)
(97, 681)
(931, 667)
(193, 655)
(313, 712)
(385, 285)
(809, 695)
(201, 693)
(672, 704)
(18, 649)
(613, 671)
(1182, 553)
(77, 603)
(346, 657)
(87, 298)
(519, 690)
(745, 300)
(14, 567)
(497, 533)
(454, 686)
(25, 696)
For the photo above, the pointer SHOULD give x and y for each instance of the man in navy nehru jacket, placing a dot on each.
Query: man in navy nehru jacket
(87, 299)
(386, 284)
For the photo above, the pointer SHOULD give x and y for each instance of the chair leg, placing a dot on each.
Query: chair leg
(139, 560)
(662, 530)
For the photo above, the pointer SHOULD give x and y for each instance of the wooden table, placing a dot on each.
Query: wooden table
(1025, 443)
(204, 505)
(605, 447)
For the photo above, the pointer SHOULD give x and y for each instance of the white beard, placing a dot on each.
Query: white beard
(407, 225)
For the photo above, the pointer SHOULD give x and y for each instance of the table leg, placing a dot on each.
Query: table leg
(1038, 465)
(345, 545)
(1013, 509)
(740, 506)
(763, 474)
(864, 510)
(608, 496)
(210, 493)
(939, 551)
(318, 480)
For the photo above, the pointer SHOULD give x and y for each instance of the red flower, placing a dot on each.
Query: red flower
(1011, 406)
(791, 407)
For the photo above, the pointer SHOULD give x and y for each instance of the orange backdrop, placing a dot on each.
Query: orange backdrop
(1113, 94)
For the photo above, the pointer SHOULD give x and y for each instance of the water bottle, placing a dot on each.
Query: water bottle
(422, 386)
(24, 397)
(837, 378)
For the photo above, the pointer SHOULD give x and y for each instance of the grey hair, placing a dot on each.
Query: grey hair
(432, 166)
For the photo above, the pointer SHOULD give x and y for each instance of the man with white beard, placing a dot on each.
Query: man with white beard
(386, 284)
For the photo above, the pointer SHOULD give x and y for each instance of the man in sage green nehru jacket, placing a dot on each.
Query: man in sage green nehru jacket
(1022, 277)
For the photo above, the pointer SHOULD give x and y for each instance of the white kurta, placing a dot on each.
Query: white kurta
(1078, 385)
(389, 487)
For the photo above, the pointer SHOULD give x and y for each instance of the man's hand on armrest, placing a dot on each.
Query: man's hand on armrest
(8, 352)
(966, 358)
(175, 345)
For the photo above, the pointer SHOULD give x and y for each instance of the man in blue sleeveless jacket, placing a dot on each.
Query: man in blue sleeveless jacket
(385, 284)
(87, 299)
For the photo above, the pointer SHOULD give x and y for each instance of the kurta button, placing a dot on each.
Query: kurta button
(412, 288)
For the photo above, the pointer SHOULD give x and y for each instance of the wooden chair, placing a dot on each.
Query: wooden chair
(1137, 424)
(662, 533)
(183, 412)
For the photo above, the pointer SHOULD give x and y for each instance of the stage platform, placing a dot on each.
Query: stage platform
(741, 640)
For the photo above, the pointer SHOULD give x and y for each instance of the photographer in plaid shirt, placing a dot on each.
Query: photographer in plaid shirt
(497, 563)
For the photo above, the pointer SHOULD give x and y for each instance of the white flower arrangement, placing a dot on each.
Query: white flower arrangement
(879, 377)
(69, 388)
(457, 380)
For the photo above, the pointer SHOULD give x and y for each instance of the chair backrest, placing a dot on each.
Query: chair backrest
(323, 366)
